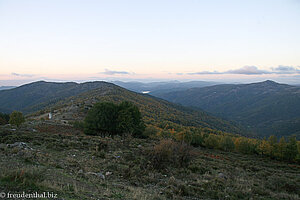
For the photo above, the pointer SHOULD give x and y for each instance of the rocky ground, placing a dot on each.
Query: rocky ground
(43, 157)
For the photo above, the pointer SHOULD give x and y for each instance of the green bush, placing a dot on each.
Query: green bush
(107, 118)
(16, 118)
(4, 118)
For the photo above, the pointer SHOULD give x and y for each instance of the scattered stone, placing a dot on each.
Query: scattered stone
(21, 145)
(108, 173)
(221, 175)
(99, 174)
(80, 171)
(139, 146)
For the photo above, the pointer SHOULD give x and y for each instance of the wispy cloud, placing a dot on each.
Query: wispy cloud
(22, 75)
(204, 73)
(253, 70)
(281, 69)
(111, 72)
(248, 70)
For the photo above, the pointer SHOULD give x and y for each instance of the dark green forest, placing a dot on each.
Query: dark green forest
(265, 108)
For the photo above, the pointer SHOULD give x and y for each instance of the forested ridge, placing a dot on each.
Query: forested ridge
(265, 108)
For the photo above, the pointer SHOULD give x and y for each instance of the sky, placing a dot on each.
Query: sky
(219, 40)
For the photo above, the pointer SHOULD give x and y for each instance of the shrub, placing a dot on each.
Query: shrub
(4, 118)
(108, 118)
(78, 125)
(129, 119)
(101, 119)
(26, 177)
(169, 152)
(226, 143)
(16, 118)
(150, 131)
(211, 141)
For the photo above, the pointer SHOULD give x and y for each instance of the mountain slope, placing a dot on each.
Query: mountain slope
(26, 97)
(265, 107)
(155, 111)
(6, 87)
(75, 99)
(156, 88)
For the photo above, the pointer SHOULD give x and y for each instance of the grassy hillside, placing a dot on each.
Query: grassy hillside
(61, 160)
(154, 110)
(265, 107)
(35, 96)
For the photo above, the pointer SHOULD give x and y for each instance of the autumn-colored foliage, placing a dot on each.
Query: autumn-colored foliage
(171, 152)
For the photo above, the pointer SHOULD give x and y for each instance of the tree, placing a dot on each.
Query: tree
(16, 118)
(264, 147)
(298, 155)
(281, 148)
(226, 143)
(129, 119)
(291, 149)
(273, 145)
(4, 118)
(101, 119)
(211, 141)
(109, 118)
(244, 145)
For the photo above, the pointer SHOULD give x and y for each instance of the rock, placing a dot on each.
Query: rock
(99, 174)
(80, 171)
(139, 146)
(21, 145)
(221, 175)
(108, 173)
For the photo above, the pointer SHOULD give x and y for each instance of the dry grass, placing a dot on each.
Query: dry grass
(70, 165)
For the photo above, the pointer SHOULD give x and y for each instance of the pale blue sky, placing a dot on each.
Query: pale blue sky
(187, 39)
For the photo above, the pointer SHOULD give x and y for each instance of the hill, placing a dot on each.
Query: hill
(75, 99)
(6, 87)
(35, 96)
(265, 107)
(60, 160)
(156, 88)
(154, 110)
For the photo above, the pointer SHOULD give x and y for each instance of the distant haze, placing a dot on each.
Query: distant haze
(217, 40)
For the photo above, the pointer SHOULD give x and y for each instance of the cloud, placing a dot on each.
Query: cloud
(204, 73)
(22, 75)
(110, 72)
(253, 70)
(248, 70)
(281, 69)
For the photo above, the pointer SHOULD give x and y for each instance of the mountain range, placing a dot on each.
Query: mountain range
(157, 88)
(265, 108)
(34, 96)
(6, 87)
(73, 100)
